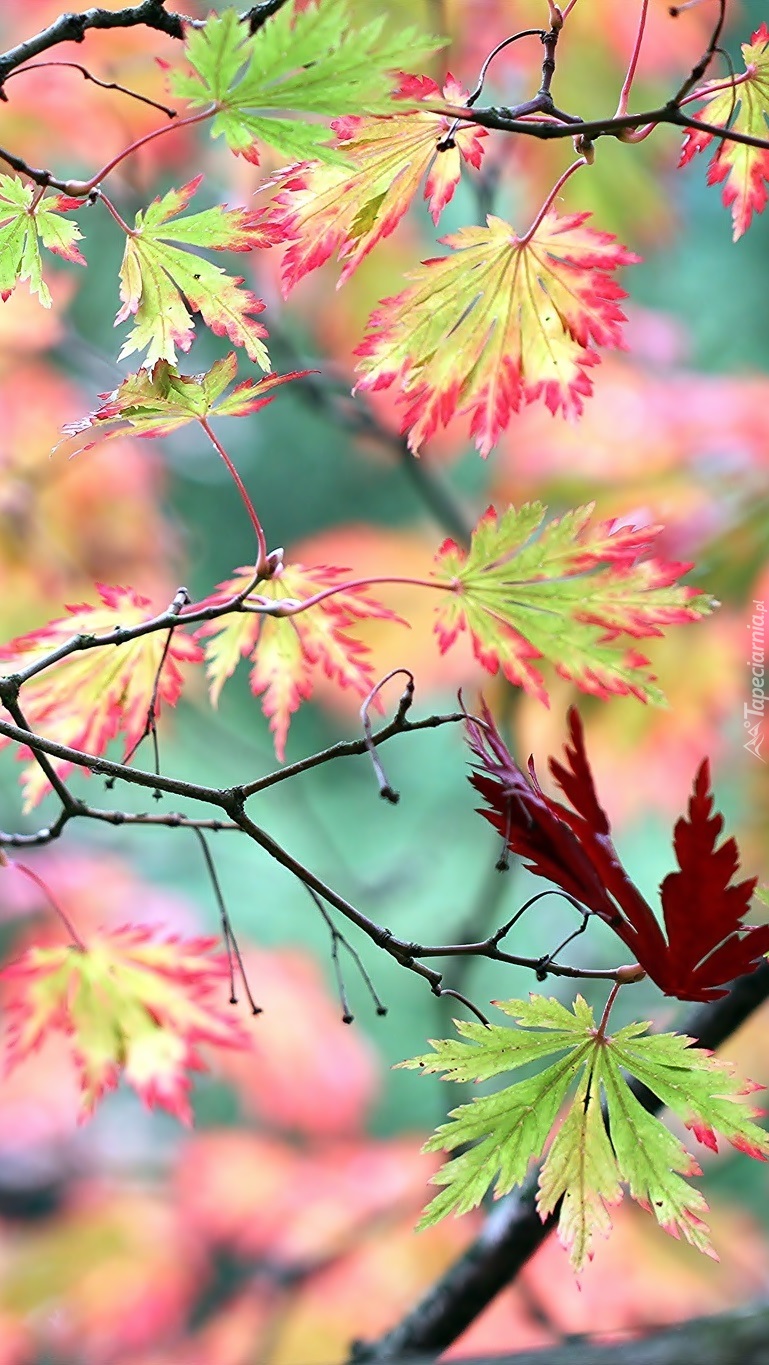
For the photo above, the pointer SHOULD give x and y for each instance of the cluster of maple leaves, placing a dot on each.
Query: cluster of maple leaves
(503, 319)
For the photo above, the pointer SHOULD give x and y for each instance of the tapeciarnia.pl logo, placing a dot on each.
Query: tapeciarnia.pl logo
(754, 711)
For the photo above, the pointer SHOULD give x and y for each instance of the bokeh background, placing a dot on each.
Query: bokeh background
(281, 1228)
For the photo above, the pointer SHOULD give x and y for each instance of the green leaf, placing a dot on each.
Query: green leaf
(587, 1163)
(652, 1162)
(317, 62)
(159, 278)
(581, 1168)
(25, 222)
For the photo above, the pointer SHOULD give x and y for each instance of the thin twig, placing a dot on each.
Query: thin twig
(58, 910)
(350, 748)
(386, 791)
(150, 725)
(88, 76)
(337, 938)
(231, 945)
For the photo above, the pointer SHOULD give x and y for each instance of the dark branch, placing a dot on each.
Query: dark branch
(258, 15)
(735, 1338)
(72, 28)
(509, 121)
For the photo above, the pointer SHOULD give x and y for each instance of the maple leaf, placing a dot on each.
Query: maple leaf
(314, 62)
(574, 592)
(129, 1005)
(744, 106)
(706, 942)
(25, 221)
(586, 1165)
(156, 402)
(89, 697)
(286, 650)
(323, 208)
(158, 278)
(502, 321)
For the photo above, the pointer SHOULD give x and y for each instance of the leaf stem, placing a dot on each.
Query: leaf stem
(105, 170)
(52, 901)
(716, 88)
(110, 207)
(632, 65)
(261, 558)
(558, 186)
(294, 608)
(613, 993)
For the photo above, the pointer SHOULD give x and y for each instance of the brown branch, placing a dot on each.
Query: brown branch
(11, 704)
(258, 15)
(509, 121)
(48, 834)
(72, 28)
(231, 800)
(738, 1337)
(38, 744)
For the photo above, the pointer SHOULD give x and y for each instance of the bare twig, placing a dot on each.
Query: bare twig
(231, 945)
(386, 791)
(88, 76)
(338, 939)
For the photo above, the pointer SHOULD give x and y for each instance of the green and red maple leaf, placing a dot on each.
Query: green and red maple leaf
(26, 221)
(286, 650)
(744, 106)
(160, 280)
(153, 403)
(501, 321)
(324, 208)
(89, 697)
(311, 62)
(576, 591)
(133, 1007)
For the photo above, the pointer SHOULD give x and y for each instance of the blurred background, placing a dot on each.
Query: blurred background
(281, 1227)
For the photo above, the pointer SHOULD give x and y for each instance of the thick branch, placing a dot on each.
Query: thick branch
(740, 1337)
(589, 130)
(108, 768)
(72, 28)
(258, 15)
(513, 1231)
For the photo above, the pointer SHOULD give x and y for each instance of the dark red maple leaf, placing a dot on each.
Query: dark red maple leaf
(707, 943)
